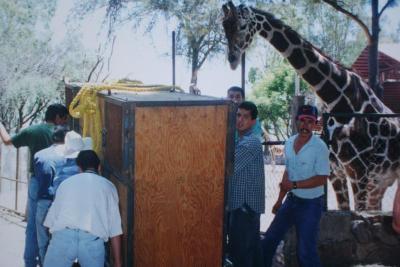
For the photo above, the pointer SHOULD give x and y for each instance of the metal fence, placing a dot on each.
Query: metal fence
(14, 171)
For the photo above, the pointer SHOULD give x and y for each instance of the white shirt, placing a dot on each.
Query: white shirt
(88, 202)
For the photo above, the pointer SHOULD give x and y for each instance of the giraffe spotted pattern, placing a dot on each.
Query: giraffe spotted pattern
(364, 149)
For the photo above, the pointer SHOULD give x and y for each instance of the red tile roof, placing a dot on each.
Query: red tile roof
(389, 68)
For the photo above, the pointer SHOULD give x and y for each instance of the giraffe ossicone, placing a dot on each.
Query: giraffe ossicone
(364, 149)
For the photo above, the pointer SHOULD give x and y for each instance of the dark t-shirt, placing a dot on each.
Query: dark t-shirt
(36, 137)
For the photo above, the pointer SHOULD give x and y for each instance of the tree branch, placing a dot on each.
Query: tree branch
(40, 106)
(339, 8)
(99, 60)
(388, 3)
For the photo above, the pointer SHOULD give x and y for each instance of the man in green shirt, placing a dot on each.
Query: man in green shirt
(35, 137)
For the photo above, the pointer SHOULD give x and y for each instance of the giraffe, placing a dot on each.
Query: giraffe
(366, 150)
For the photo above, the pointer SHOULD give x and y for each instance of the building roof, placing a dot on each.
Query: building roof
(388, 58)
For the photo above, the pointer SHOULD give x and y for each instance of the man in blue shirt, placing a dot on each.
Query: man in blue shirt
(45, 166)
(246, 199)
(53, 165)
(307, 168)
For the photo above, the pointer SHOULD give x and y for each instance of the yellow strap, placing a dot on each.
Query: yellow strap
(85, 106)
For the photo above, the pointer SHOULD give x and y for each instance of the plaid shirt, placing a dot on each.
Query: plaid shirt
(247, 184)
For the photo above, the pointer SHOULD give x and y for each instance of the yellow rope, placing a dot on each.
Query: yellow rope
(85, 106)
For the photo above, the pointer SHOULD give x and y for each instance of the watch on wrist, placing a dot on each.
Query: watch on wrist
(295, 185)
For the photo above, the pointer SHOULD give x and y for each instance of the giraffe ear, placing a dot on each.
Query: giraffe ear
(245, 11)
(225, 10)
(233, 9)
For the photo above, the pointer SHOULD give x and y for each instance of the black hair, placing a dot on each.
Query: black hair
(55, 109)
(88, 159)
(237, 89)
(250, 106)
(59, 133)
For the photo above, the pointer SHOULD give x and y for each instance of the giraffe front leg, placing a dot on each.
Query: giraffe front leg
(360, 192)
(339, 185)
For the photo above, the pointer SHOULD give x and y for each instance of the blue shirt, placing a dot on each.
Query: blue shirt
(247, 184)
(46, 163)
(311, 160)
(64, 171)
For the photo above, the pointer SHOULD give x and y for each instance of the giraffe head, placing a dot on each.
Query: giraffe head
(239, 30)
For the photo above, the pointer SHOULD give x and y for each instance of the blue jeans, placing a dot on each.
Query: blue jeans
(42, 232)
(305, 215)
(69, 244)
(244, 238)
(31, 251)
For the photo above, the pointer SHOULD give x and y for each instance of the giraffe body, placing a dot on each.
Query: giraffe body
(364, 149)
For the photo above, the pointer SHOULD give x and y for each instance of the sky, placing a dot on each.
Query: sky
(142, 57)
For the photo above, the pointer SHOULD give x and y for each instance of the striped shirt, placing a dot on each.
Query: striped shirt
(247, 184)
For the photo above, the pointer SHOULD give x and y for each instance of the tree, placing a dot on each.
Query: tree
(273, 94)
(32, 67)
(199, 36)
(372, 34)
(332, 33)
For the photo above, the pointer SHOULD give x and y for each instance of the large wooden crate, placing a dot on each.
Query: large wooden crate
(169, 155)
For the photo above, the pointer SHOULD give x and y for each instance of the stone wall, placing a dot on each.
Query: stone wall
(348, 239)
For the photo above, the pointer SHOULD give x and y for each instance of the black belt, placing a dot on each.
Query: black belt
(292, 196)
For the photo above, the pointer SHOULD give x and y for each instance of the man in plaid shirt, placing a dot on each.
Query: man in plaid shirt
(246, 191)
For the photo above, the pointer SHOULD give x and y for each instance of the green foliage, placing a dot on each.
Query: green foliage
(31, 66)
(332, 32)
(273, 94)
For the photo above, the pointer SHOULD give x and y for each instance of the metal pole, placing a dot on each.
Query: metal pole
(325, 137)
(173, 60)
(244, 73)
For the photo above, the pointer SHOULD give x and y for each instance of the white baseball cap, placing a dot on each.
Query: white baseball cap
(74, 143)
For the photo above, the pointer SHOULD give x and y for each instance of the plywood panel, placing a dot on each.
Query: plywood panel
(123, 209)
(113, 148)
(179, 186)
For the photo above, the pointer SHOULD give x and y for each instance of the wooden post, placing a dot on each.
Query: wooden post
(16, 180)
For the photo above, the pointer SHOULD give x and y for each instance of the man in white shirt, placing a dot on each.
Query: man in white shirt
(82, 217)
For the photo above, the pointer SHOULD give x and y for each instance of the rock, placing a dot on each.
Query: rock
(347, 239)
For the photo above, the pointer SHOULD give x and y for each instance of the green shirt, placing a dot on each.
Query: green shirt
(36, 137)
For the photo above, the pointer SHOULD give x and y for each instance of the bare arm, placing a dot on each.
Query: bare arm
(116, 250)
(5, 137)
(282, 193)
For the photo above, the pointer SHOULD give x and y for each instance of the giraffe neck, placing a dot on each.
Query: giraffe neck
(339, 89)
